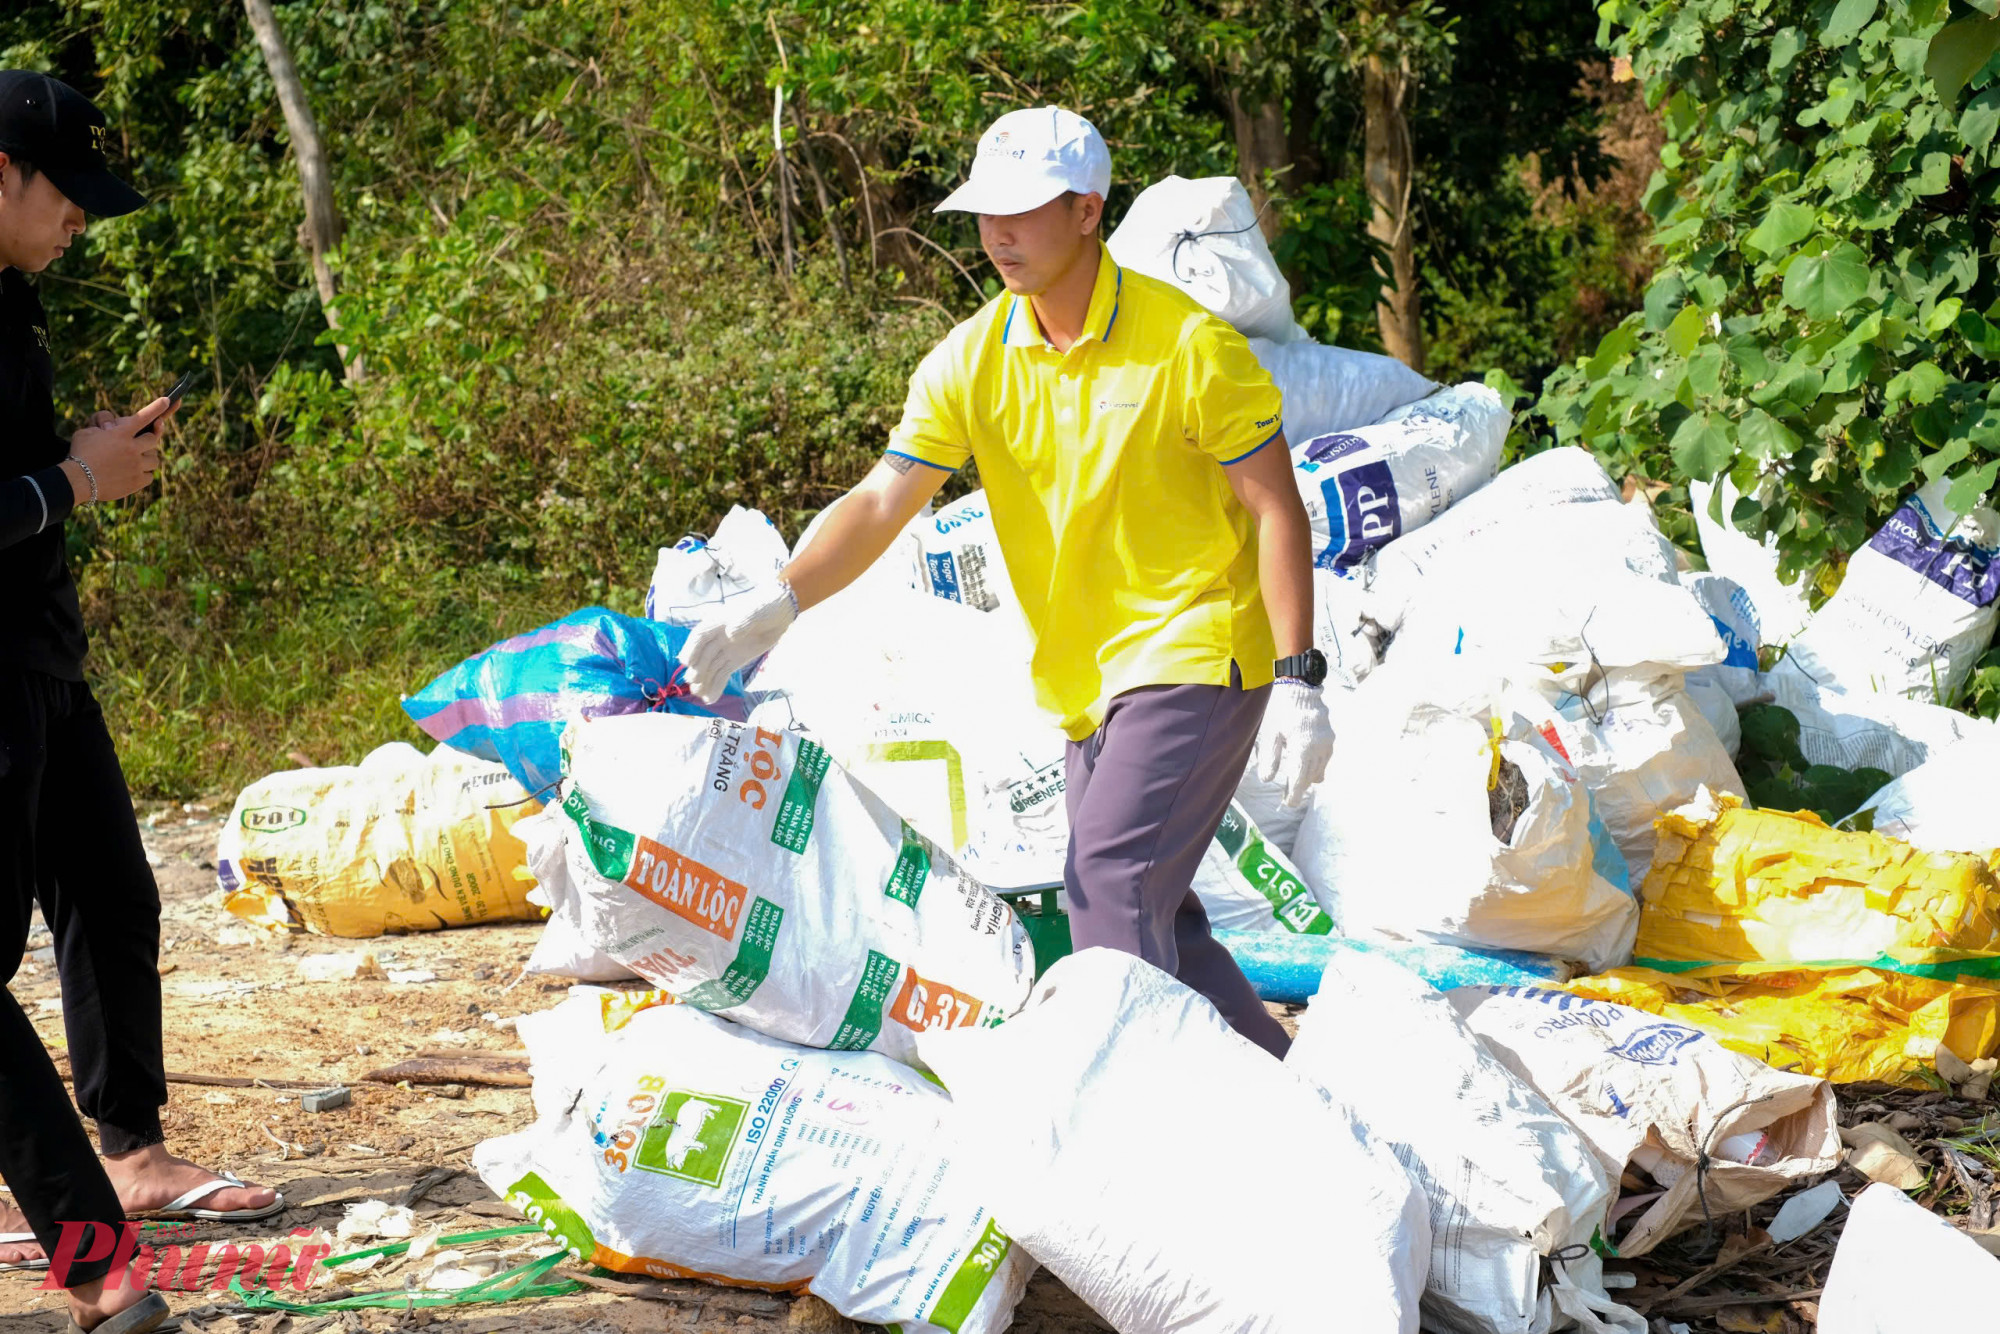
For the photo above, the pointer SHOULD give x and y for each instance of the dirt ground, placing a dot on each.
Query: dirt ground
(236, 1005)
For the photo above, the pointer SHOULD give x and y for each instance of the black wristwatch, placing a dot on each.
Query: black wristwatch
(1309, 667)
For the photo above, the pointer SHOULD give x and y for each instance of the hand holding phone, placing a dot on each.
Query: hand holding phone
(173, 397)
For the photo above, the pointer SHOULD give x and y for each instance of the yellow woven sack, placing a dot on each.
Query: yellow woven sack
(1848, 1025)
(1734, 890)
(401, 842)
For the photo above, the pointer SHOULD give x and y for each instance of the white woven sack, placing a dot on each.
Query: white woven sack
(1644, 1089)
(1202, 236)
(1511, 1184)
(677, 1145)
(1331, 389)
(1916, 608)
(1399, 844)
(741, 869)
(1091, 1115)
(1946, 803)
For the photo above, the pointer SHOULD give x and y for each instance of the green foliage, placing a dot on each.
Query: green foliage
(1546, 282)
(560, 273)
(1326, 251)
(563, 275)
(1777, 776)
(1823, 324)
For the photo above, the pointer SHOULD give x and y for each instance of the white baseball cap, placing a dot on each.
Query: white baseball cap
(1028, 157)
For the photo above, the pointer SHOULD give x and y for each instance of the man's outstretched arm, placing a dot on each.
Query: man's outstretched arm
(859, 527)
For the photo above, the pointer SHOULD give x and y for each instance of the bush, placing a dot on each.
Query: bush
(1823, 324)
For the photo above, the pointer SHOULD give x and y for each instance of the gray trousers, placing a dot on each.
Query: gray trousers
(1146, 792)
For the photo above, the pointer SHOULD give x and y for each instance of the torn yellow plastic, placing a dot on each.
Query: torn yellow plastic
(357, 852)
(1848, 1025)
(1754, 890)
(618, 1007)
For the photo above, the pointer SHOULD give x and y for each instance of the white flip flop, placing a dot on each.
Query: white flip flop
(20, 1266)
(183, 1208)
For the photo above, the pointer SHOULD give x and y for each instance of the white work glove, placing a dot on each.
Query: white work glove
(1296, 740)
(736, 634)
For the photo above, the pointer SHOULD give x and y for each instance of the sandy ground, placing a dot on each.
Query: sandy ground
(237, 1006)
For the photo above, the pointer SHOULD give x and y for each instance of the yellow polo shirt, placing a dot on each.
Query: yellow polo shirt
(1131, 556)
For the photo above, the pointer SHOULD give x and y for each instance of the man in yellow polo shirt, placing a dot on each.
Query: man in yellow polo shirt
(1141, 490)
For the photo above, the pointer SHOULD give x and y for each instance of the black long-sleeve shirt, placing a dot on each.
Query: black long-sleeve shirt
(41, 626)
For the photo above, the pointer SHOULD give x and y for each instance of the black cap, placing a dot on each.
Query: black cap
(52, 125)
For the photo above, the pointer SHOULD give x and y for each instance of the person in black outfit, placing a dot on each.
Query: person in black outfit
(68, 836)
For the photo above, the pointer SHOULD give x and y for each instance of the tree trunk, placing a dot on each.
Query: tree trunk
(1262, 145)
(820, 193)
(322, 227)
(781, 172)
(1390, 164)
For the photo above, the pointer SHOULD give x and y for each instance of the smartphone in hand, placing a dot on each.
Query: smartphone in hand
(173, 398)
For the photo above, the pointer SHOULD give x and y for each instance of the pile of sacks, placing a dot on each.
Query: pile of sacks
(1540, 709)
(808, 878)
(1526, 680)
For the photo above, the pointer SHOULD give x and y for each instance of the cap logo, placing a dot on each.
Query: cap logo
(97, 137)
(996, 146)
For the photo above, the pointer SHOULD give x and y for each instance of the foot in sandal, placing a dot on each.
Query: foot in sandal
(153, 1181)
(124, 1309)
(18, 1247)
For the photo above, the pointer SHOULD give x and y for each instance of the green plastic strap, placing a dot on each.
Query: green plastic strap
(522, 1281)
(1983, 966)
(397, 1248)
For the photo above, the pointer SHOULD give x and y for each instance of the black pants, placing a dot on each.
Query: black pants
(68, 839)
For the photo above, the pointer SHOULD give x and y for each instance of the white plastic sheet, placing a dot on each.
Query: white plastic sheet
(1900, 1269)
